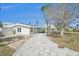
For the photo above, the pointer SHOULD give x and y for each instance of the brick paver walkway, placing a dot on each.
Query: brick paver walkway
(40, 45)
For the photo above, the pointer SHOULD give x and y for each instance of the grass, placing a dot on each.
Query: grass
(6, 51)
(69, 40)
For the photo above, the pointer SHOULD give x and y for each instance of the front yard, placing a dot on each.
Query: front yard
(6, 51)
(9, 45)
(69, 40)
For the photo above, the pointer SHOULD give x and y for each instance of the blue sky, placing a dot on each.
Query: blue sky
(22, 13)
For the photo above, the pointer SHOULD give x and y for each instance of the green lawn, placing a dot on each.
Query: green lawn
(70, 40)
(6, 51)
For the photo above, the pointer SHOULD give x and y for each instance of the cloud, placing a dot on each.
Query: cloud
(9, 7)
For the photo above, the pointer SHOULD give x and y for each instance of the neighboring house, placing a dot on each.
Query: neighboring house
(51, 28)
(77, 27)
(16, 29)
(68, 28)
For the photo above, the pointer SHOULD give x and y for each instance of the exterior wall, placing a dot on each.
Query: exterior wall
(7, 31)
(0, 31)
(24, 30)
(10, 31)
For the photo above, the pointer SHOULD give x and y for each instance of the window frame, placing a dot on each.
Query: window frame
(18, 29)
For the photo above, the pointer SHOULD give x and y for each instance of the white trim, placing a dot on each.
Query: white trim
(18, 24)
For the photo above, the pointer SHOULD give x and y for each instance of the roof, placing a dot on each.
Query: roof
(17, 24)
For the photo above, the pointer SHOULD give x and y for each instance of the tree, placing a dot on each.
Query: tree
(0, 8)
(37, 23)
(44, 9)
(1, 24)
(29, 23)
(60, 14)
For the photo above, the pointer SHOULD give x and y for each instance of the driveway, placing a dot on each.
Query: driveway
(40, 45)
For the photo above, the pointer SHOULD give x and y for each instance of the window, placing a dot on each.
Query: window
(18, 29)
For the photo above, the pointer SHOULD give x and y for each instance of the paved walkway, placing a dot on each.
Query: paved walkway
(40, 45)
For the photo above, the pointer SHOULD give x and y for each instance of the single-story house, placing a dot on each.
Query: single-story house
(16, 29)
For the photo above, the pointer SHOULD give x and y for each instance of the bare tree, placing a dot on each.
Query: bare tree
(45, 10)
(37, 23)
(60, 14)
(1, 24)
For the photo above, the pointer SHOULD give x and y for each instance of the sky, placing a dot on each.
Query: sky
(22, 13)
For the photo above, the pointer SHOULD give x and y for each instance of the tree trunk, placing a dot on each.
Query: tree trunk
(47, 30)
(62, 32)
